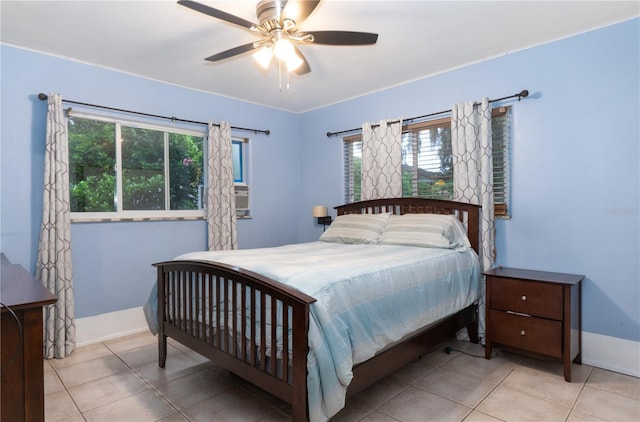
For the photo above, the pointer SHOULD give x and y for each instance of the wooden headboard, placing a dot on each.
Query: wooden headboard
(468, 214)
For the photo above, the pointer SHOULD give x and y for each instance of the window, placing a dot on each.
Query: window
(240, 170)
(239, 160)
(152, 170)
(353, 168)
(427, 163)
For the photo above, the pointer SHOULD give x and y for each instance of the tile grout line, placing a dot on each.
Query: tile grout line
(166, 399)
(573, 405)
(413, 384)
(145, 381)
(185, 353)
(475, 408)
(609, 391)
(104, 404)
(66, 390)
(570, 408)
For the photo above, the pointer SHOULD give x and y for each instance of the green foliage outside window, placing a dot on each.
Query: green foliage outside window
(93, 172)
(142, 169)
(186, 171)
(92, 162)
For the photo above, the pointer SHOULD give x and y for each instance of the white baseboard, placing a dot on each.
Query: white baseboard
(604, 352)
(110, 325)
(612, 353)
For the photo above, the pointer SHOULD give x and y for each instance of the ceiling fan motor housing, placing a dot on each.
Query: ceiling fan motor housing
(269, 13)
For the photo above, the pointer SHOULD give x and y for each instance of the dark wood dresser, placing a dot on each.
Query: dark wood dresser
(536, 313)
(21, 351)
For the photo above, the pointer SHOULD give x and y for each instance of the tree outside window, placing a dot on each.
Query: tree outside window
(156, 169)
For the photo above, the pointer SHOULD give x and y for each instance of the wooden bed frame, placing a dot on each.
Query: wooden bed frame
(186, 291)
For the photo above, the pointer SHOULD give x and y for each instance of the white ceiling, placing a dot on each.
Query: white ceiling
(164, 41)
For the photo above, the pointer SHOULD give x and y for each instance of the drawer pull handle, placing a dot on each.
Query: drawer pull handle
(522, 332)
(524, 297)
(519, 313)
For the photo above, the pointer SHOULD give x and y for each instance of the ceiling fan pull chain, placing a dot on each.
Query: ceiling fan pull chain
(288, 79)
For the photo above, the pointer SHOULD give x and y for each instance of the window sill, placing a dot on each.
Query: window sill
(124, 219)
(132, 219)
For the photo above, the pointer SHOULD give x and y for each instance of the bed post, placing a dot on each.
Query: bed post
(472, 328)
(299, 399)
(473, 232)
(162, 338)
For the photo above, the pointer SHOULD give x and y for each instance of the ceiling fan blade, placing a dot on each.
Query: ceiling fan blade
(231, 52)
(343, 37)
(304, 68)
(298, 10)
(219, 14)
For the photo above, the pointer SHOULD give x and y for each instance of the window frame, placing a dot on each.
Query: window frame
(136, 215)
(416, 128)
(501, 209)
(244, 159)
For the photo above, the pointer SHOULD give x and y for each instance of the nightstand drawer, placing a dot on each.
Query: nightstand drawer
(528, 333)
(536, 299)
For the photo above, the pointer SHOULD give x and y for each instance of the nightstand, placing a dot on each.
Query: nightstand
(536, 313)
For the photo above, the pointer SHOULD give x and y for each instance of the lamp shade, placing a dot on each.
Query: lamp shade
(263, 56)
(283, 50)
(294, 62)
(319, 211)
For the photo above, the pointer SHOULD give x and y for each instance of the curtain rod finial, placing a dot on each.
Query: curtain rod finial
(523, 93)
(42, 96)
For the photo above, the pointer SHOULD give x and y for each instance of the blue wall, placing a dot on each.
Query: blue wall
(575, 160)
(112, 261)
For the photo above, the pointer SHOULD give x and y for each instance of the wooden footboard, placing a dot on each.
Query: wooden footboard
(231, 316)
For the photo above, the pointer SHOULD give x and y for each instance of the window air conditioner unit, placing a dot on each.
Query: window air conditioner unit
(242, 200)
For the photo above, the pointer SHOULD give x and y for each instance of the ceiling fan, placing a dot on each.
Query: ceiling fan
(279, 29)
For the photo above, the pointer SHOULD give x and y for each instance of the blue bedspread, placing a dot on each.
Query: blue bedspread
(368, 297)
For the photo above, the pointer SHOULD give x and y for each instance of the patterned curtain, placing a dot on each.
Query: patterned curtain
(53, 267)
(473, 167)
(221, 206)
(473, 176)
(382, 160)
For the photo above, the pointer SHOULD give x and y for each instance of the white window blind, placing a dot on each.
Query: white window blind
(427, 167)
(353, 169)
(501, 135)
(427, 164)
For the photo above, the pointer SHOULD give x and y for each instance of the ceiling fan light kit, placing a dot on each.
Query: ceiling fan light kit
(263, 56)
(279, 20)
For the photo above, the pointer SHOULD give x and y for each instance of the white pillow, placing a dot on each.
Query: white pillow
(425, 230)
(356, 228)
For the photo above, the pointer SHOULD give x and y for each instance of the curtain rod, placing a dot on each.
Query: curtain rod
(43, 97)
(522, 94)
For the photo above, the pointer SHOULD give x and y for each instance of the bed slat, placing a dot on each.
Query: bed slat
(263, 330)
(252, 336)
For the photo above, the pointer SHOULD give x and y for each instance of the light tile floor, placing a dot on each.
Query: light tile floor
(119, 380)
